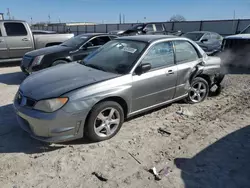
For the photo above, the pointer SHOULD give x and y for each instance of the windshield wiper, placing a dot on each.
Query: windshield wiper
(95, 67)
(64, 45)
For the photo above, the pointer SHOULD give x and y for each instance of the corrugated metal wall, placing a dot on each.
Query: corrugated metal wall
(223, 27)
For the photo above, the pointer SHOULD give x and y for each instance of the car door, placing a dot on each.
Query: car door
(89, 47)
(18, 40)
(187, 57)
(4, 54)
(158, 84)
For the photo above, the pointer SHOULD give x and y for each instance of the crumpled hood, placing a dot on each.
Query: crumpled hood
(55, 81)
(48, 50)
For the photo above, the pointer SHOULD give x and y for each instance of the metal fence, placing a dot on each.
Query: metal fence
(223, 27)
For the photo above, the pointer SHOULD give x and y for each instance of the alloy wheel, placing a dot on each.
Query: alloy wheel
(198, 92)
(107, 122)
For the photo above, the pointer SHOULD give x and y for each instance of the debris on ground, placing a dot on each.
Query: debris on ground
(155, 173)
(134, 158)
(37, 156)
(185, 112)
(165, 171)
(100, 176)
(164, 132)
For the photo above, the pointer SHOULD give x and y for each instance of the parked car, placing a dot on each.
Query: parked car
(16, 39)
(210, 42)
(116, 32)
(74, 49)
(113, 83)
(235, 49)
(146, 28)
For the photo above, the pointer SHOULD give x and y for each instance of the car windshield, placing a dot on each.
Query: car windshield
(75, 41)
(246, 31)
(117, 56)
(194, 36)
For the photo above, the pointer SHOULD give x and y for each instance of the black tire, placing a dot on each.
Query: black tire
(58, 62)
(219, 79)
(90, 124)
(195, 82)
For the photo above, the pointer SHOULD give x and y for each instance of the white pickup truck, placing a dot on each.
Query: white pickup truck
(16, 39)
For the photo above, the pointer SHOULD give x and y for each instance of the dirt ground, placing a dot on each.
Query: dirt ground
(206, 145)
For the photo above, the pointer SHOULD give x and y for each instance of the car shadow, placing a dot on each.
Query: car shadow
(14, 78)
(14, 140)
(226, 163)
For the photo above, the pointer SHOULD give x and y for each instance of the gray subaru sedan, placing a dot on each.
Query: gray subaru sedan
(125, 77)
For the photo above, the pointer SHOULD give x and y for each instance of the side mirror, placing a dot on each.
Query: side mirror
(238, 32)
(143, 68)
(204, 40)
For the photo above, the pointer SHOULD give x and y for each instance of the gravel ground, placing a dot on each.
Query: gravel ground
(206, 145)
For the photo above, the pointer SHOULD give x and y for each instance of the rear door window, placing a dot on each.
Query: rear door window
(159, 27)
(185, 52)
(15, 29)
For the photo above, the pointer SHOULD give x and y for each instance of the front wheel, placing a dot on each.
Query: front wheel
(198, 92)
(105, 121)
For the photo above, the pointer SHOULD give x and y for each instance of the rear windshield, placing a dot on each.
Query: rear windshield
(75, 41)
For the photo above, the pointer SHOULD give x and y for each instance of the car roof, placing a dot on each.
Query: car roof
(147, 38)
(12, 21)
(95, 34)
(201, 32)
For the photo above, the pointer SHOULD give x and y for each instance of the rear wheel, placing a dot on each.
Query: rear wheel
(105, 121)
(198, 91)
(58, 62)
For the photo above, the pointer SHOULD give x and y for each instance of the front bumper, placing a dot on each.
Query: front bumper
(59, 126)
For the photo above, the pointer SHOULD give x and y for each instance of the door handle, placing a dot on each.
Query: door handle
(25, 39)
(1, 40)
(170, 72)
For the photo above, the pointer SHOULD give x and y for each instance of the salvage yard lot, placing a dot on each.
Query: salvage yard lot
(191, 147)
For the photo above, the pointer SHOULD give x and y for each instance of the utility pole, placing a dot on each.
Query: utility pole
(49, 18)
(120, 18)
(123, 18)
(234, 15)
(8, 13)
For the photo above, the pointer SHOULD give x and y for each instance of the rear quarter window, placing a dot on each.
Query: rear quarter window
(15, 29)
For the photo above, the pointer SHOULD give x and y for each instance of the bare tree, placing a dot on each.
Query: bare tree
(177, 18)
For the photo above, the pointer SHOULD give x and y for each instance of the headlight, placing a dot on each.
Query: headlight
(37, 60)
(51, 105)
